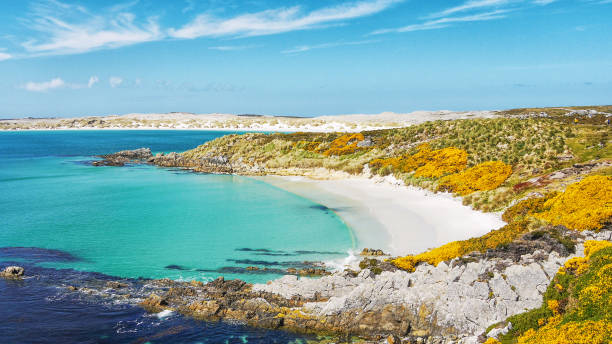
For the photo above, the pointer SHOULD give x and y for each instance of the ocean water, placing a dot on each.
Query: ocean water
(145, 221)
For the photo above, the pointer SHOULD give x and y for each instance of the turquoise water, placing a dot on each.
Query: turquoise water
(144, 221)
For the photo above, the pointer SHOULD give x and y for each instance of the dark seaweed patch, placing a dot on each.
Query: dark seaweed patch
(37, 254)
(253, 262)
(317, 252)
(263, 250)
(174, 267)
(274, 254)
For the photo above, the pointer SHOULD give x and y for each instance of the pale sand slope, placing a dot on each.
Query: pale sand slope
(396, 218)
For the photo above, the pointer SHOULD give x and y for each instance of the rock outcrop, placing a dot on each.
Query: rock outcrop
(121, 158)
(453, 302)
(12, 272)
(459, 298)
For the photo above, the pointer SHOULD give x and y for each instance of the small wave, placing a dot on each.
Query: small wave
(164, 314)
(350, 261)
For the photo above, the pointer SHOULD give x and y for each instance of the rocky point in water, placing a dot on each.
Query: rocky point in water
(121, 158)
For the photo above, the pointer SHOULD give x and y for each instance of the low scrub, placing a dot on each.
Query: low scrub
(577, 304)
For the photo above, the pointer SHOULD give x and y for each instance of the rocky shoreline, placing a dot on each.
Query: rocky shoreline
(453, 302)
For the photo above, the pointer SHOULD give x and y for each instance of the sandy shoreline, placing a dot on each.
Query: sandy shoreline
(396, 218)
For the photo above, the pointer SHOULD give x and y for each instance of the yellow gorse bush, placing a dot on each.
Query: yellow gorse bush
(583, 205)
(486, 176)
(586, 332)
(443, 161)
(456, 249)
(426, 162)
(526, 207)
(344, 144)
(592, 246)
(587, 319)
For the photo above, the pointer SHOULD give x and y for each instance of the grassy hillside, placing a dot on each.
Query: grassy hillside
(531, 148)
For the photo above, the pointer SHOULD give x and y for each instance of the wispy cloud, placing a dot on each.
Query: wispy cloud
(115, 81)
(92, 81)
(57, 83)
(278, 20)
(445, 22)
(59, 28)
(470, 5)
(5, 56)
(304, 48)
(45, 85)
(67, 29)
(468, 11)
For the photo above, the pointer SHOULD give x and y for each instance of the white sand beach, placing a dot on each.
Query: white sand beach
(396, 218)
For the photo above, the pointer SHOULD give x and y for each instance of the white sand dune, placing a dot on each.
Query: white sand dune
(396, 218)
(216, 121)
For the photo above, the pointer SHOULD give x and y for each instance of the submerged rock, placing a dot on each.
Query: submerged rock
(12, 272)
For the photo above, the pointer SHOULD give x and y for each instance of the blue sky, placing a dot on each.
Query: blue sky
(68, 58)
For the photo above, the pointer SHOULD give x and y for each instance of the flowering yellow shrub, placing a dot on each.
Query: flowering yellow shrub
(586, 332)
(492, 341)
(456, 249)
(395, 163)
(553, 305)
(307, 145)
(580, 311)
(486, 176)
(576, 265)
(443, 161)
(583, 205)
(592, 246)
(427, 162)
(344, 144)
(526, 207)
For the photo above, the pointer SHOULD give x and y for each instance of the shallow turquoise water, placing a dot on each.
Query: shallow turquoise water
(143, 221)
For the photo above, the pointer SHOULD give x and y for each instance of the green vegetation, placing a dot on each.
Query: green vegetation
(531, 146)
(577, 305)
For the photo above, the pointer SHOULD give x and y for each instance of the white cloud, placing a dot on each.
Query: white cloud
(468, 11)
(45, 85)
(303, 48)
(471, 5)
(5, 56)
(92, 80)
(115, 81)
(445, 22)
(68, 29)
(277, 20)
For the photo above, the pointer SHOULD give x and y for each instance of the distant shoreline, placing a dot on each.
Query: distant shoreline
(228, 122)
